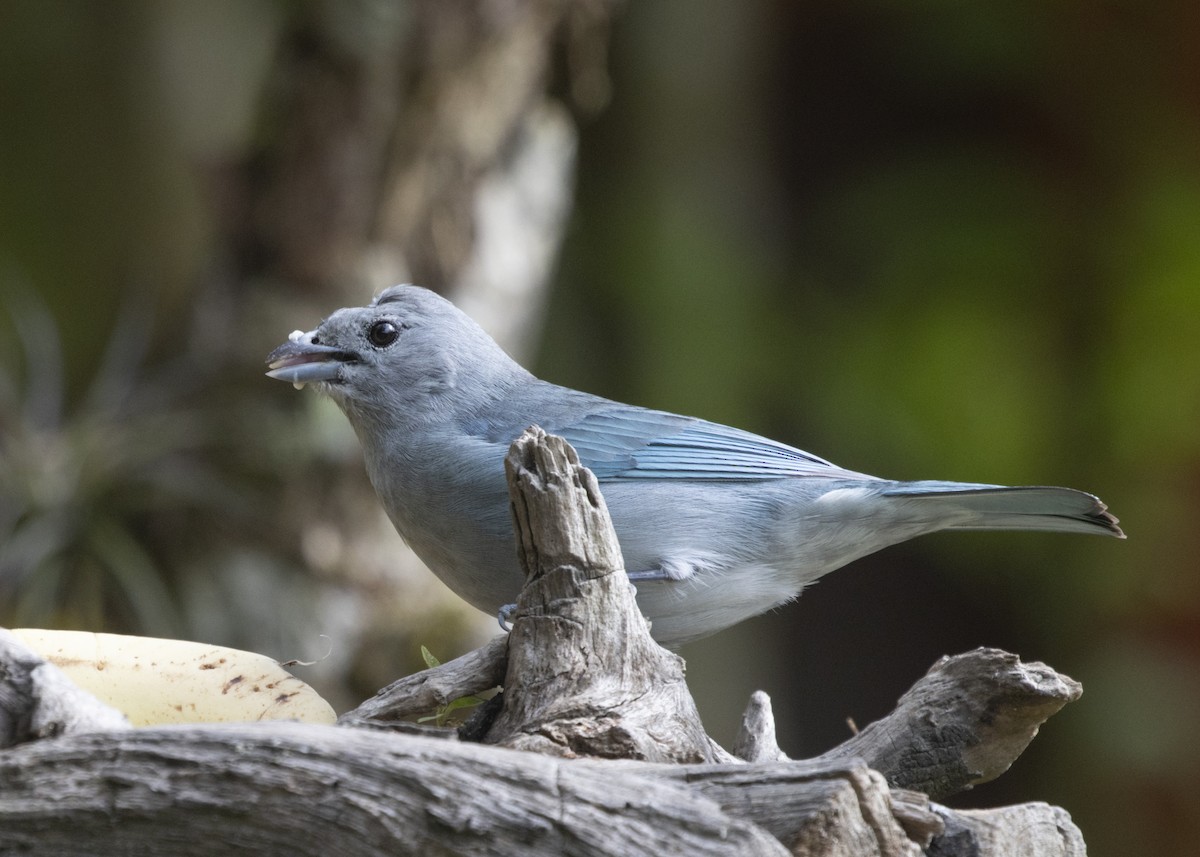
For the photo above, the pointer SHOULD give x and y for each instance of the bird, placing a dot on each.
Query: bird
(715, 524)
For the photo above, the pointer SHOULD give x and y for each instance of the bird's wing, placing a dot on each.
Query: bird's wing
(631, 443)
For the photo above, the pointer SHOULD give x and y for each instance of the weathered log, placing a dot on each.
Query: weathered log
(1009, 831)
(964, 723)
(585, 678)
(38, 701)
(304, 789)
(828, 808)
(428, 690)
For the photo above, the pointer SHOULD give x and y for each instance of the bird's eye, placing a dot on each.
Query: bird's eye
(383, 333)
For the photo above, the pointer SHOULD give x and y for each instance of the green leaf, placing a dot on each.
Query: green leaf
(430, 660)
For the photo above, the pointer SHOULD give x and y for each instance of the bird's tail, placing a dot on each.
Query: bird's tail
(995, 507)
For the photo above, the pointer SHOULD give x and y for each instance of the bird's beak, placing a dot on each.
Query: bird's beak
(301, 361)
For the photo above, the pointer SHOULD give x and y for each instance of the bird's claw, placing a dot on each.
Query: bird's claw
(504, 617)
(653, 576)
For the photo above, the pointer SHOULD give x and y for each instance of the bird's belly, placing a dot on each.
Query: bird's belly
(683, 610)
(733, 552)
(477, 562)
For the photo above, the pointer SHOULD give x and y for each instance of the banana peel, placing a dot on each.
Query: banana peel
(155, 681)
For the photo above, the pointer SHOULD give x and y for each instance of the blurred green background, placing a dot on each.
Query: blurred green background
(921, 239)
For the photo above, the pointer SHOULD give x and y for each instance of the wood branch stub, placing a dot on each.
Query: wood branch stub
(585, 678)
(304, 789)
(424, 692)
(829, 808)
(755, 740)
(965, 722)
(916, 815)
(38, 701)
(1010, 831)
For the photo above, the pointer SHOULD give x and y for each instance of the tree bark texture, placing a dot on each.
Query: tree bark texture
(584, 678)
(309, 790)
(963, 724)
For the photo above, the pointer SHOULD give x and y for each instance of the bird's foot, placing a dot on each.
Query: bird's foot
(655, 576)
(504, 617)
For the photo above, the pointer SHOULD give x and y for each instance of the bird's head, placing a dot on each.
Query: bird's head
(408, 355)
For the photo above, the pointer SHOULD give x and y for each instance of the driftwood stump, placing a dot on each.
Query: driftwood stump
(622, 764)
(584, 676)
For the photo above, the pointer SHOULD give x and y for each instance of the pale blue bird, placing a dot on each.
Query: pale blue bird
(716, 524)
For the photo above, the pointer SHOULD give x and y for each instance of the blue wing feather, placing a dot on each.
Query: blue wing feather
(633, 443)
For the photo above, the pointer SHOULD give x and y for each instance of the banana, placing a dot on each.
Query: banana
(155, 681)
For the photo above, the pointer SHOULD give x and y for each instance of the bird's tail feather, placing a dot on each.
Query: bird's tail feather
(995, 507)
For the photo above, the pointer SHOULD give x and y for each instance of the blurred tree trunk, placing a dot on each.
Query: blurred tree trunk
(417, 142)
